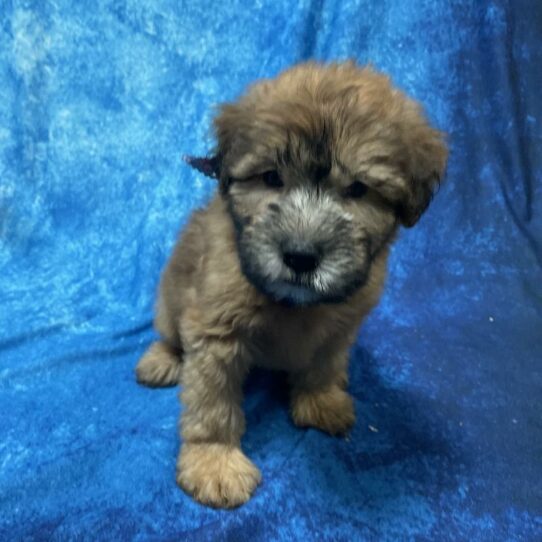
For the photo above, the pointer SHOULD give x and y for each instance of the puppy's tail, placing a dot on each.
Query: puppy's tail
(160, 366)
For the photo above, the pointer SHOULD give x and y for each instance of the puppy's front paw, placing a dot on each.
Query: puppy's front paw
(217, 475)
(331, 410)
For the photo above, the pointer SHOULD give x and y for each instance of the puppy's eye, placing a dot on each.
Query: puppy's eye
(356, 190)
(272, 179)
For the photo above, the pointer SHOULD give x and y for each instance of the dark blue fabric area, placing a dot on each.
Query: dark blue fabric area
(98, 102)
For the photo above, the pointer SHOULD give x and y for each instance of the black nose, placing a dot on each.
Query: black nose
(301, 261)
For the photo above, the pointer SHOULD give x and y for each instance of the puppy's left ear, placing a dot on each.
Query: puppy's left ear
(427, 159)
(209, 165)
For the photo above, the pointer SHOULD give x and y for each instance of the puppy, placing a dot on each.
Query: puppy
(317, 169)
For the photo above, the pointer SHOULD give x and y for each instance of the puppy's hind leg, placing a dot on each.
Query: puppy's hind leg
(160, 366)
(319, 398)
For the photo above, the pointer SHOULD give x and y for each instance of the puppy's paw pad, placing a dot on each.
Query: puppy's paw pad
(216, 474)
(160, 366)
(331, 411)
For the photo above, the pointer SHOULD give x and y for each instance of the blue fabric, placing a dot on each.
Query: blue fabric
(98, 102)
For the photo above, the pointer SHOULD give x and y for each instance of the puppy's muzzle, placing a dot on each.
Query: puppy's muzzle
(301, 261)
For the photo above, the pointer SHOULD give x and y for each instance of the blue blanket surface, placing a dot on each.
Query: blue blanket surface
(98, 102)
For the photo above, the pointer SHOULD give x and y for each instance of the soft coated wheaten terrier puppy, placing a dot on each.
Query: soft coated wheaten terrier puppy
(317, 169)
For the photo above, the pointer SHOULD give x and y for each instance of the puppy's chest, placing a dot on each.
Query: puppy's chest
(289, 342)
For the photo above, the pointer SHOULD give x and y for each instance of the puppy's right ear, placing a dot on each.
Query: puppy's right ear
(209, 165)
(235, 135)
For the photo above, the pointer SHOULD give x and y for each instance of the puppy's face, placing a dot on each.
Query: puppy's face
(307, 229)
(319, 167)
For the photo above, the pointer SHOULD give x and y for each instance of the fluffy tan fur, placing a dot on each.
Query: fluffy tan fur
(211, 317)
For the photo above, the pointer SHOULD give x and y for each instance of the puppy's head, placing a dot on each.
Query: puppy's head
(319, 167)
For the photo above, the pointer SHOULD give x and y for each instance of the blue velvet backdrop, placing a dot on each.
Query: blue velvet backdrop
(98, 102)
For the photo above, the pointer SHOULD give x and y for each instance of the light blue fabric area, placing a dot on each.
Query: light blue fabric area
(98, 103)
